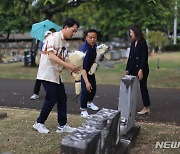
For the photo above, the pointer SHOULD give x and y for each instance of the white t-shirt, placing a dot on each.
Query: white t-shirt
(48, 70)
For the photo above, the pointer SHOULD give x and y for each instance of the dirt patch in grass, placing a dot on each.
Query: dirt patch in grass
(17, 135)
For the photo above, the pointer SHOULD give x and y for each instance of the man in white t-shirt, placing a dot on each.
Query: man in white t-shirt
(53, 59)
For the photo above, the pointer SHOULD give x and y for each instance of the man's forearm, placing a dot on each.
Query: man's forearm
(57, 60)
(84, 75)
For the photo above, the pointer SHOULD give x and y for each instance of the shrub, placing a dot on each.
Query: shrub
(172, 47)
(157, 39)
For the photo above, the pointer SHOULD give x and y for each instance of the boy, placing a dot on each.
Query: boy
(88, 82)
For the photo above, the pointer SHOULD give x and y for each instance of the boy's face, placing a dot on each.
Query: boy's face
(91, 38)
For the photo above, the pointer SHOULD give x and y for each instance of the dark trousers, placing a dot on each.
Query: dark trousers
(37, 87)
(144, 91)
(143, 87)
(86, 96)
(55, 93)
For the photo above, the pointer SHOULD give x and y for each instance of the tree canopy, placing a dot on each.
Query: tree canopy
(112, 18)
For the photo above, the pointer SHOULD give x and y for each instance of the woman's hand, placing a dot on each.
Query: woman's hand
(126, 72)
(140, 74)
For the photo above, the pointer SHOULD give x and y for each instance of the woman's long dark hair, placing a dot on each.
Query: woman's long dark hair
(138, 32)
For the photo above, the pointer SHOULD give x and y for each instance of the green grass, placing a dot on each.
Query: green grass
(167, 76)
(17, 71)
(150, 133)
(17, 135)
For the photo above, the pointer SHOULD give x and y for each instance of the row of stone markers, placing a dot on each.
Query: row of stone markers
(108, 131)
(98, 135)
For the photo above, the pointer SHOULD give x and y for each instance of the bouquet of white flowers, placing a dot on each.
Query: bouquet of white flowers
(76, 58)
(101, 50)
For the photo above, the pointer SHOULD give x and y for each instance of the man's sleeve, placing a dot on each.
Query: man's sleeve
(51, 44)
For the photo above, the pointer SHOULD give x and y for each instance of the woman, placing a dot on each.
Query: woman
(137, 64)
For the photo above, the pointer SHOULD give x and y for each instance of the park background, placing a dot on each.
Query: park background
(113, 19)
(158, 19)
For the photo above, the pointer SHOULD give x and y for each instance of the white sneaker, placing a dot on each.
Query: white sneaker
(84, 114)
(65, 128)
(34, 96)
(92, 106)
(41, 128)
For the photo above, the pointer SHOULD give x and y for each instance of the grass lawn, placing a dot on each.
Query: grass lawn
(17, 135)
(167, 76)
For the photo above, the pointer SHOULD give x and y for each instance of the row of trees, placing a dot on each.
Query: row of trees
(111, 17)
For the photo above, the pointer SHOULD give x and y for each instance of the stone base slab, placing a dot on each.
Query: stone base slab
(127, 140)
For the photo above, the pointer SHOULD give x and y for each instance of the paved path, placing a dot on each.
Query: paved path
(165, 102)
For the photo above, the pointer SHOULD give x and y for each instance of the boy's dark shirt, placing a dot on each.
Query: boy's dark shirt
(90, 55)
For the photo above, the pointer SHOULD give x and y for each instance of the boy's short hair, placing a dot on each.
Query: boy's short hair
(71, 22)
